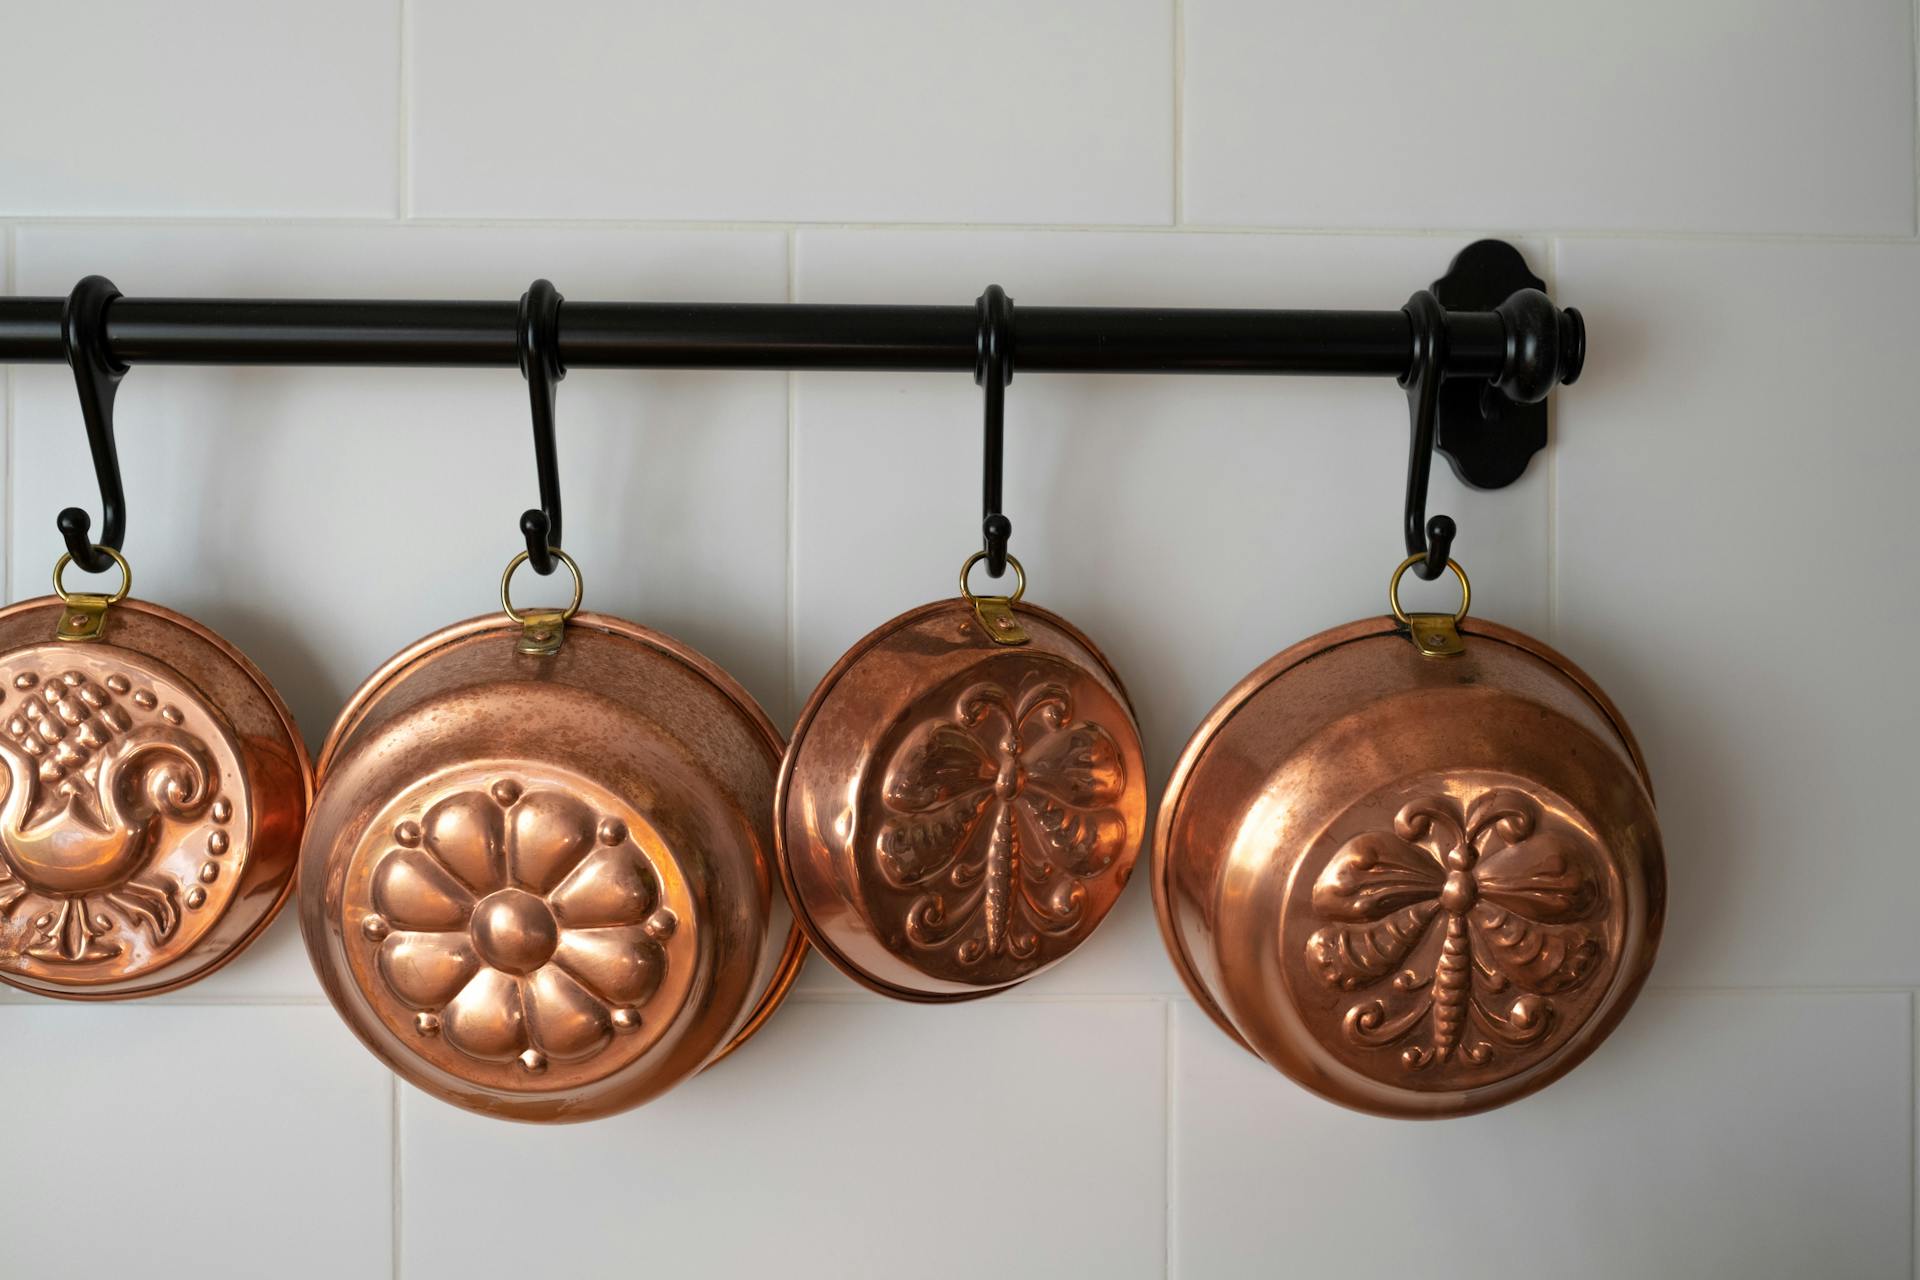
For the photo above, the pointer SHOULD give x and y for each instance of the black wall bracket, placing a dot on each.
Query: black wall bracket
(1488, 429)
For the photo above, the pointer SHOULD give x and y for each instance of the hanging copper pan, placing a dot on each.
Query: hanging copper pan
(538, 882)
(1413, 863)
(156, 788)
(963, 798)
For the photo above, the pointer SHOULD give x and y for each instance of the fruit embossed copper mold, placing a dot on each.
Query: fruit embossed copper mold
(539, 881)
(963, 799)
(156, 788)
(1413, 863)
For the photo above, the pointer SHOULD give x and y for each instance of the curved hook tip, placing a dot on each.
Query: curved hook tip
(1440, 535)
(76, 529)
(535, 526)
(996, 530)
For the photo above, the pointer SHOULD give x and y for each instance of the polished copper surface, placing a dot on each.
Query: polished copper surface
(156, 788)
(955, 814)
(542, 887)
(1420, 886)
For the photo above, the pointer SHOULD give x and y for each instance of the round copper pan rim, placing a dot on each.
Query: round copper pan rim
(1284, 661)
(788, 761)
(307, 782)
(794, 954)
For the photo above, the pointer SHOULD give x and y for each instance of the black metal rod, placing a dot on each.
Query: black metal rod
(775, 336)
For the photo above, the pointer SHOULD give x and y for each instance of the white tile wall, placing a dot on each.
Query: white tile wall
(1722, 1134)
(1718, 533)
(872, 110)
(1713, 115)
(861, 1139)
(1749, 604)
(162, 1141)
(199, 107)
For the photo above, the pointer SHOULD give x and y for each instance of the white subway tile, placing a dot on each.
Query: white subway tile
(859, 1138)
(1714, 115)
(1733, 472)
(169, 1141)
(991, 111)
(1749, 1134)
(200, 107)
(1192, 526)
(323, 518)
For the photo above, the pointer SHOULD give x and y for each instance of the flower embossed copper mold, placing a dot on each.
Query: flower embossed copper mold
(1419, 885)
(150, 817)
(519, 927)
(538, 882)
(955, 814)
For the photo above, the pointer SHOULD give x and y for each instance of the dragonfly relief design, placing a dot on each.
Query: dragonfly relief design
(1516, 899)
(997, 810)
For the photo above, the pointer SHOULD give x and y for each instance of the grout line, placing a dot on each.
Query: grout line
(181, 1000)
(1168, 1064)
(1828, 989)
(1913, 68)
(792, 710)
(837, 995)
(850, 994)
(403, 85)
(1913, 1140)
(482, 222)
(9, 249)
(393, 1129)
(1553, 471)
(1180, 111)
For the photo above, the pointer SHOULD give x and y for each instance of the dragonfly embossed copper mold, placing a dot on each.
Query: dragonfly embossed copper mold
(1413, 863)
(963, 799)
(156, 788)
(538, 881)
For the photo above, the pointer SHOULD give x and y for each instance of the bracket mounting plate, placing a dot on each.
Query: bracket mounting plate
(1487, 438)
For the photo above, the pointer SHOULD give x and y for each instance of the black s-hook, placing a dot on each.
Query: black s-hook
(96, 375)
(1431, 539)
(537, 333)
(993, 370)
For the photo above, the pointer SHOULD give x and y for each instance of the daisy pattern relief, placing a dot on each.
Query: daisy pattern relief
(519, 924)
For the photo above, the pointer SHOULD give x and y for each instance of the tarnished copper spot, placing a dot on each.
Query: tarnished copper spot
(156, 788)
(1418, 885)
(541, 886)
(956, 814)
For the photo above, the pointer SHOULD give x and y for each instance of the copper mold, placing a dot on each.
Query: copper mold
(956, 814)
(1419, 886)
(541, 886)
(156, 788)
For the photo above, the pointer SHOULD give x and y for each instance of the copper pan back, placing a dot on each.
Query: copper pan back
(955, 814)
(156, 788)
(542, 887)
(1420, 886)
